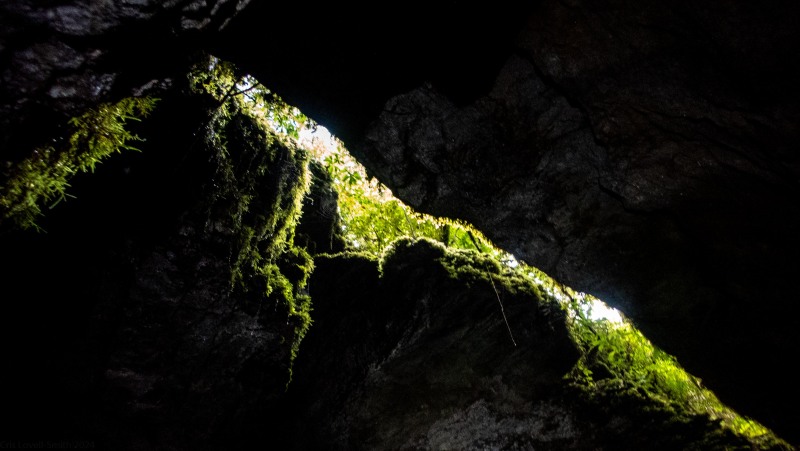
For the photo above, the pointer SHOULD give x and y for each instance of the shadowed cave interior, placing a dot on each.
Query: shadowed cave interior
(179, 270)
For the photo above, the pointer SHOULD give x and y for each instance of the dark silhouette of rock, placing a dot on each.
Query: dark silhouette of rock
(164, 305)
(642, 152)
(59, 59)
(418, 356)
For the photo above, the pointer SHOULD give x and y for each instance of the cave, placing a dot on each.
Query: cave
(194, 290)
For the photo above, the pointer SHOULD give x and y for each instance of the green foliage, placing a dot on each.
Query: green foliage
(373, 218)
(222, 80)
(44, 177)
(618, 358)
(256, 192)
(621, 353)
(283, 291)
(296, 266)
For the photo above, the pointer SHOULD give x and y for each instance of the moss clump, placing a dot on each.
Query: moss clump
(473, 267)
(618, 362)
(254, 200)
(372, 218)
(471, 270)
(44, 177)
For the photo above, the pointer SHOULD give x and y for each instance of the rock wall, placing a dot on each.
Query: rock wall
(165, 305)
(699, 255)
(640, 151)
(60, 58)
(413, 352)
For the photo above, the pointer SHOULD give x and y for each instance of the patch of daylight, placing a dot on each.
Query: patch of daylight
(594, 308)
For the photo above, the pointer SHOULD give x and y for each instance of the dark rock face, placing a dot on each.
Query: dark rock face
(339, 63)
(194, 356)
(418, 356)
(435, 359)
(642, 151)
(169, 336)
(633, 162)
(59, 59)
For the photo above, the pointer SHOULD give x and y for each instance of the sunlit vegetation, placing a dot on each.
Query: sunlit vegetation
(373, 218)
(615, 356)
(615, 359)
(257, 188)
(41, 180)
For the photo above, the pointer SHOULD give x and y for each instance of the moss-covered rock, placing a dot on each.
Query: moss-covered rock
(44, 175)
(217, 307)
(321, 228)
(426, 339)
(435, 348)
(187, 296)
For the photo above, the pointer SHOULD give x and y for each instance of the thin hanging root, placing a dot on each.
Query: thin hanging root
(502, 310)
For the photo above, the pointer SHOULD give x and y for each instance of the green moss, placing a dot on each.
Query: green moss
(255, 194)
(290, 302)
(618, 360)
(617, 366)
(43, 178)
(297, 265)
(372, 218)
(470, 267)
